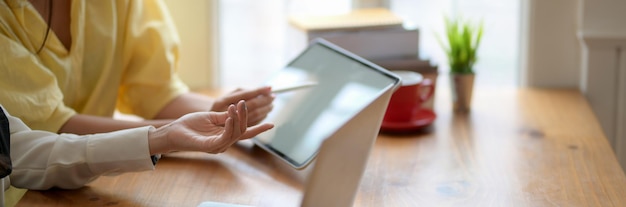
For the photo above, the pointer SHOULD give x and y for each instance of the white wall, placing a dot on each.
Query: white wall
(606, 16)
(196, 22)
(603, 33)
(551, 49)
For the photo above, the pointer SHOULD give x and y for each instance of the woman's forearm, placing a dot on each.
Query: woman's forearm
(184, 104)
(87, 124)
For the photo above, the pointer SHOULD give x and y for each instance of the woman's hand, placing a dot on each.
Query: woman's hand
(211, 132)
(259, 102)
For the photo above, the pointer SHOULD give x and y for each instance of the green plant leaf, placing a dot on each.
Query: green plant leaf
(461, 47)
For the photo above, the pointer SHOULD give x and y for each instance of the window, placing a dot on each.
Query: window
(253, 35)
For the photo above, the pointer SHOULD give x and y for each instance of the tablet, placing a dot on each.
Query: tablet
(317, 93)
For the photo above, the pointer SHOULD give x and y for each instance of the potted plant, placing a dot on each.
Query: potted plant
(461, 44)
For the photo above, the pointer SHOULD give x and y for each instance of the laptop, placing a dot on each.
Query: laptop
(327, 113)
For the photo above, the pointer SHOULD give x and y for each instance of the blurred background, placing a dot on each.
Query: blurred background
(571, 44)
(254, 34)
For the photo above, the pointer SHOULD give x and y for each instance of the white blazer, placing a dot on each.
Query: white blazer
(42, 160)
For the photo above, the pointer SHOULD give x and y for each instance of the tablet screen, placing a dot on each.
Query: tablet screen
(328, 88)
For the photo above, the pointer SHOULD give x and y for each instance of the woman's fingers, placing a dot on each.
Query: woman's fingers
(218, 118)
(247, 94)
(258, 108)
(233, 114)
(260, 101)
(235, 127)
(223, 143)
(256, 116)
(242, 111)
(256, 130)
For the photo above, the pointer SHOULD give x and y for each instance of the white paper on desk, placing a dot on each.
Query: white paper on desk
(218, 204)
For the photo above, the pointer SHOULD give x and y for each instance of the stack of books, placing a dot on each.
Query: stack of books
(375, 34)
(369, 33)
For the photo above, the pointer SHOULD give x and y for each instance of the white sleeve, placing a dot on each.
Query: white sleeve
(42, 160)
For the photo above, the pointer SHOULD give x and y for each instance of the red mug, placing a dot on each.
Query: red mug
(407, 100)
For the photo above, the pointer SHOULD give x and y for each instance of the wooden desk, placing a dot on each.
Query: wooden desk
(516, 148)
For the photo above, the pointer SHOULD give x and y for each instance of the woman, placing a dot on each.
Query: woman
(67, 65)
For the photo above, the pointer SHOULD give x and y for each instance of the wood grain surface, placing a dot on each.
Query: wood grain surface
(516, 147)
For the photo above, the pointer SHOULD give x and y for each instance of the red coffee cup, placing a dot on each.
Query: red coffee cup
(407, 100)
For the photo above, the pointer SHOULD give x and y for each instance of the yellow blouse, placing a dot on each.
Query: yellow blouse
(124, 54)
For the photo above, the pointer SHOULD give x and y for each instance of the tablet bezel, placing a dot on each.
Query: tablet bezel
(345, 53)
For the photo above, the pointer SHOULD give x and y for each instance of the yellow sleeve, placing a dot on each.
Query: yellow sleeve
(151, 58)
(28, 90)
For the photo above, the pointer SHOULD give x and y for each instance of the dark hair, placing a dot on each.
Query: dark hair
(45, 38)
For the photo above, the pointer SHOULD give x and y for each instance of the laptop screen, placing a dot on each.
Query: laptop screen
(329, 86)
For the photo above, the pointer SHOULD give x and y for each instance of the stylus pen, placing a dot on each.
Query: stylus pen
(293, 87)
